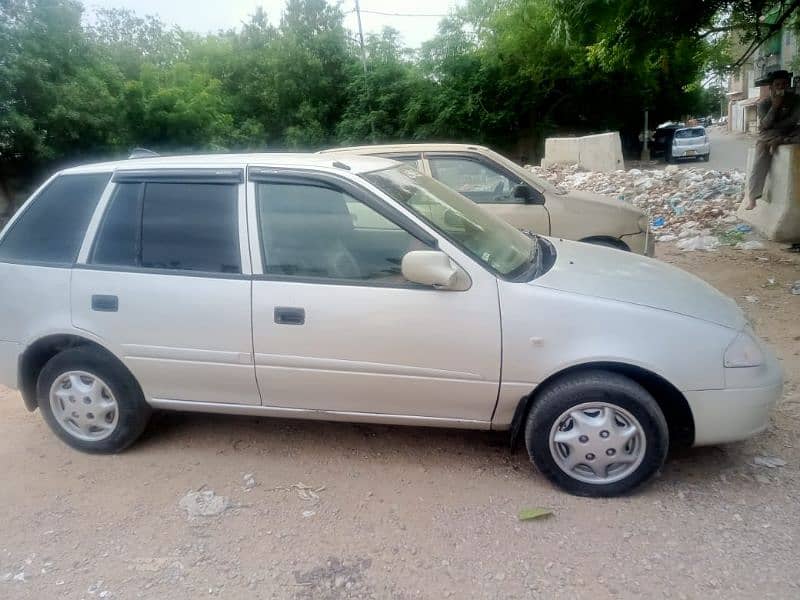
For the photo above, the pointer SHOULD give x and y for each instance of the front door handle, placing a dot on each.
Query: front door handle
(287, 315)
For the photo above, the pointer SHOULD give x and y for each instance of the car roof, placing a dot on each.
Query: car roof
(357, 163)
(420, 147)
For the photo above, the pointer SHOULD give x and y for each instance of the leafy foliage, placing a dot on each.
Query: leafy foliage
(503, 72)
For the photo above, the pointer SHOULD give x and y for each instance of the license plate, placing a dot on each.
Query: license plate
(691, 152)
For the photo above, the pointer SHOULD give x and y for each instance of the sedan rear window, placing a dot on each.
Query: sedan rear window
(52, 228)
(694, 132)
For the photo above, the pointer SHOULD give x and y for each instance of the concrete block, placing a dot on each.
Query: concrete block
(561, 151)
(601, 152)
(777, 213)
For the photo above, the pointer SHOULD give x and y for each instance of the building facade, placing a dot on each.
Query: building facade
(748, 84)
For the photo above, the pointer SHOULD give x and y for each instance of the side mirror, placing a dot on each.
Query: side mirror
(434, 268)
(528, 194)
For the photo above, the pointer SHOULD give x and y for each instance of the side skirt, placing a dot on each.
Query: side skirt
(317, 415)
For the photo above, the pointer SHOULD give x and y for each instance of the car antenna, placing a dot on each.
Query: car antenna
(341, 165)
(142, 153)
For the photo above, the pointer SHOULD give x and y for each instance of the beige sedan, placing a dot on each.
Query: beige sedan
(519, 197)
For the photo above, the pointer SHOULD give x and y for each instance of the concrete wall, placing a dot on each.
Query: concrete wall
(777, 214)
(601, 152)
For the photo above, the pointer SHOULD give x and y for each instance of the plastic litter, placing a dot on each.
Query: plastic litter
(708, 243)
(707, 197)
(744, 228)
(751, 245)
(796, 288)
(657, 222)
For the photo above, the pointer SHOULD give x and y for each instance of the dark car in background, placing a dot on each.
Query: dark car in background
(661, 143)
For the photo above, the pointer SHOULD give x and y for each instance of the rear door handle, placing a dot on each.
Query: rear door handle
(287, 315)
(103, 303)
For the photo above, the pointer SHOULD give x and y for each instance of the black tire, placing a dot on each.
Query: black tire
(133, 411)
(706, 157)
(610, 388)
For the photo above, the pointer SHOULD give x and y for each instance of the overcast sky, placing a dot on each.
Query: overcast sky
(208, 16)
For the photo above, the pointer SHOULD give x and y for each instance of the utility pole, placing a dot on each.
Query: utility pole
(364, 64)
(645, 149)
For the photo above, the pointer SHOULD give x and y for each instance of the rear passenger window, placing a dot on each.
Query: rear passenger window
(179, 226)
(52, 228)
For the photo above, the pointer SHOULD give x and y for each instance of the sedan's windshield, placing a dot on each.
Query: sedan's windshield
(490, 240)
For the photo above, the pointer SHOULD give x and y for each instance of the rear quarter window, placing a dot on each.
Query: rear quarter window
(52, 227)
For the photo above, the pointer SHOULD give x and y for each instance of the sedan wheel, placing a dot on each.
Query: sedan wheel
(84, 406)
(596, 433)
(91, 401)
(597, 442)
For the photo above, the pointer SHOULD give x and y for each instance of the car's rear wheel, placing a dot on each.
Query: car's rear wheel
(91, 401)
(596, 433)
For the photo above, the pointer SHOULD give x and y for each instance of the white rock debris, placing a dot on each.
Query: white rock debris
(203, 504)
(682, 203)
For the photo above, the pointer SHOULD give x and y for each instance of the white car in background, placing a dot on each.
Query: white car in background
(358, 289)
(690, 142)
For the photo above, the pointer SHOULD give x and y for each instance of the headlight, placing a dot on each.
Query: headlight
(744, 351)
(644, 223)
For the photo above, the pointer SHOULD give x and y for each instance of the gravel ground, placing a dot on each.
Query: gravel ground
(332, 511)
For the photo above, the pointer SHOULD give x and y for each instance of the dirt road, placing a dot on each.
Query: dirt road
(388, 512)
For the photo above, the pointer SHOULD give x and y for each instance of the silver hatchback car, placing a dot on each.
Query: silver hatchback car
(358, 289)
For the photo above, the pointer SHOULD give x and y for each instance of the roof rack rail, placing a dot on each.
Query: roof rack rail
(142, 153)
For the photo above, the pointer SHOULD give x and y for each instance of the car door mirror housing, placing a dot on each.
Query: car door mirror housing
(434, 269)
(528, 194)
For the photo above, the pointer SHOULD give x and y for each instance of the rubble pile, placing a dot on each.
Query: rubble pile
(683, 204)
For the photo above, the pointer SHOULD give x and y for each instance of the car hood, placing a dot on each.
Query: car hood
(594, 211)
(612, 274)
(587, 200)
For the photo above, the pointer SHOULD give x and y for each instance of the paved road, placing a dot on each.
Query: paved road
(728, 151)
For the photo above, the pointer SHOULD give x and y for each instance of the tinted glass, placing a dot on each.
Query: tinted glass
(695, 132)
(311, 231)
(118, 238)
(190, 227)
(52, 228)
(182, 226)
(475, 180)
(489, 239)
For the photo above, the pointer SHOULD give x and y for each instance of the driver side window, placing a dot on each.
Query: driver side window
(475, 180)
(315, 231)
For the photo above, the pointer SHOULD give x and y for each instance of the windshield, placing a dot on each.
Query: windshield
(488, 239)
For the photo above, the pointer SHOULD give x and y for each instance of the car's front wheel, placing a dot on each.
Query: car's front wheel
(91, 401)
(596, 433)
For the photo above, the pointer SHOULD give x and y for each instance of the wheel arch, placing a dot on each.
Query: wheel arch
(38, 353)
(671, 401)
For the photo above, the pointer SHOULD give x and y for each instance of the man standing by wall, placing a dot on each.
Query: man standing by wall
(780, 124)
